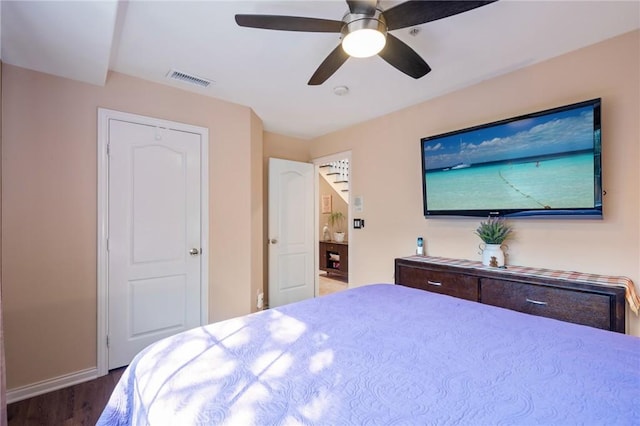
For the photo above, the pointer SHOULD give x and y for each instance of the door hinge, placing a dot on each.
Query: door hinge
(107, 341)
(107, 244)
(108, 149)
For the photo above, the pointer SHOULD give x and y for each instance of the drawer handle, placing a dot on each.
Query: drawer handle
(536, 302)
(436, 283)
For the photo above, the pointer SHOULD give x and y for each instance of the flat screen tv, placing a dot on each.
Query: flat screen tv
(545, 163)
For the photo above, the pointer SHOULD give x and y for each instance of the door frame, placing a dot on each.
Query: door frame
(104, 115)
(345, 155)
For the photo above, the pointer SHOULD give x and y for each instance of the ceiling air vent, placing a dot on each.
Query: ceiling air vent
(188, 78)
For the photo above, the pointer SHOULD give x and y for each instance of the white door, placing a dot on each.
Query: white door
(154, 236)
(291, 231)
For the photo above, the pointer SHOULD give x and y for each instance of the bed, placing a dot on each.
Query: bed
(383, 354)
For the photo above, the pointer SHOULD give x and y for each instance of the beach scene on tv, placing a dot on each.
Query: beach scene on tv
(540, 163)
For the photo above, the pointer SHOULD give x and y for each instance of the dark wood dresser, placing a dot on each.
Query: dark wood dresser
(595, 305)
(334, 258)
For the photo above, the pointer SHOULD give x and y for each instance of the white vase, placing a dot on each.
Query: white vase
(338, 237)
(326, 236)
(492, 250)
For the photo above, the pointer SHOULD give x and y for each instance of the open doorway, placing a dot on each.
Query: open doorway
(333, 213)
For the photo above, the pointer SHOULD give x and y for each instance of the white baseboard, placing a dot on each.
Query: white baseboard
(39, 388)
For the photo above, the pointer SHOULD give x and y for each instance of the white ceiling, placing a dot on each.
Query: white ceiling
(268, 70)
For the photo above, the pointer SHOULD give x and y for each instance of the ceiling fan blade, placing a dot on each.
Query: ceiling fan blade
(329, 66)
(411, 13)
(404, 58)
(289, 23)
(365, 7)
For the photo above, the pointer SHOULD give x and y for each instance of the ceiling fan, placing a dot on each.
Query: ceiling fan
(365, 32)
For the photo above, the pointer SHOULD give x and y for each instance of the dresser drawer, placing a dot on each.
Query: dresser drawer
(331, 247)
(564, 304)
(452, 284)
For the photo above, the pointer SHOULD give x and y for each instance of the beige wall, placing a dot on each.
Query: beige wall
(392, 200)
(257, 211)
(3, 381)
(285, 147)
(49, 210)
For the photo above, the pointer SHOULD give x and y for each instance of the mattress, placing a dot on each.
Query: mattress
(383, 355)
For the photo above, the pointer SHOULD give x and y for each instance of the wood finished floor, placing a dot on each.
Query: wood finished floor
(80, 404)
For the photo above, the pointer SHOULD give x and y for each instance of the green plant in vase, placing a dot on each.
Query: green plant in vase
(336, 220)
(493, 232)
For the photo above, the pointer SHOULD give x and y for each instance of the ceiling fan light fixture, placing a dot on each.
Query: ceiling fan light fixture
(364, 36)
(364, 43)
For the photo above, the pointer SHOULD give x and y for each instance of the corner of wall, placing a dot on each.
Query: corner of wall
(257, 211)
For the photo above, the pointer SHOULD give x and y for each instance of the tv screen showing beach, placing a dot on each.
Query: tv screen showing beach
(542, 162)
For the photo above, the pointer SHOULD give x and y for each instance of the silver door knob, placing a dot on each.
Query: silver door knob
(194, 252)
(274, 241)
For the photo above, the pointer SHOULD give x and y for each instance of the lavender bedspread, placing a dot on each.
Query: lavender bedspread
(388, 355)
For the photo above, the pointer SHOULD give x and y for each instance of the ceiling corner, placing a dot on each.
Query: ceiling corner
(67, 39)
